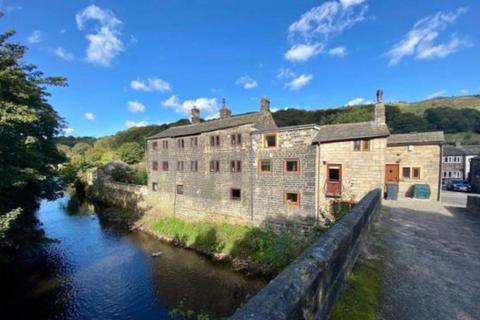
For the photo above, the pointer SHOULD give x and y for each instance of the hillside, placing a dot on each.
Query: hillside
(460, 102)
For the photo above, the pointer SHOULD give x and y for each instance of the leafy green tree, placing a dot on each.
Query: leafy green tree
(28, 126)
(131, 152)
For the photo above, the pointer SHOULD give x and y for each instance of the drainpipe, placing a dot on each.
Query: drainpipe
(439, 197)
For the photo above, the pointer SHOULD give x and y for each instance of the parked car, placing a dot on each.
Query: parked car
(459, 185)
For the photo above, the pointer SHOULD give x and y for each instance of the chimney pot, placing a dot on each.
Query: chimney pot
(195, 115)
(265, 104)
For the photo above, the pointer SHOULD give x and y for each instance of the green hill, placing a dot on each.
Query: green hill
(460, 102)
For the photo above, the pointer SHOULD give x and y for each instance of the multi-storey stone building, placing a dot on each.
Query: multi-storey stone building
(245, 168)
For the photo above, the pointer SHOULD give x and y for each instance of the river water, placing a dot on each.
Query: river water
(100, 270)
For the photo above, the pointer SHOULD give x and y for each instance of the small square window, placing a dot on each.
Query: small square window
(235, 166)
(292, 199)
(165, 165)
(292, 165)
(154, 165)
(165, 144)
(406, 172)
(181, 143)
(194, 166)
(236, 139)
(155, 145)
(357, 145)
(180, 166)
(194, 142)
(265, 165)
(215, 166)
(270, 140)
(416, 173)
(154, 186)
(366, 145)
(179, 188)
(235, 194)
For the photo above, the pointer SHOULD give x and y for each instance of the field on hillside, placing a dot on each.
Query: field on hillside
(454, 102)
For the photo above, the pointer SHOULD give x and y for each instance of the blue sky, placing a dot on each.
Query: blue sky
(146, 62)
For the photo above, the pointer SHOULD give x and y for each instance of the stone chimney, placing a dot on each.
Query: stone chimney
(379, 108)
(195, 115)
(265, 105)
(224, 111)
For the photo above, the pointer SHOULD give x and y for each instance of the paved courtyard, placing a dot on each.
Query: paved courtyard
(432, 260)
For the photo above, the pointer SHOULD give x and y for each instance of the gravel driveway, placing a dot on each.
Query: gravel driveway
(432, 261)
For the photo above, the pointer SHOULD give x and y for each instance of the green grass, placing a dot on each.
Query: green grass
(267, 248)
(463, 137)
(360, 298)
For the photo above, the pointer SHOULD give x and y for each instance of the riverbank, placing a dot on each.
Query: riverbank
(248, 249)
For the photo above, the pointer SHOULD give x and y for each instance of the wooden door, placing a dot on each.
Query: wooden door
(392, 173)
(334, 179)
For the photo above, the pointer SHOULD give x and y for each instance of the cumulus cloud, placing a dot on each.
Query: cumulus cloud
(357, 102)
(131, 123)
(104, 42)
(464, 91)
(299, 82)
(135, 106)
(68, 131)
(246, 82)
(208, 106)
(303, 52)
(349, 3)
(63, 54)
(437, 94)
(151, 84)
(35, 37)
(338, 52)
(421, 41)
(89, 116)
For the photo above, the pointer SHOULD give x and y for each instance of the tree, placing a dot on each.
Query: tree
(131, 152)
(81, 148)
(28, 126)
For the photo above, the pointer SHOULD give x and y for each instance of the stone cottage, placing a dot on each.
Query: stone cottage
(245, 168)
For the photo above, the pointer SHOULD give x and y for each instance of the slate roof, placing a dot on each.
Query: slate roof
(348, 131)
(471, 150)
(210, 125)
(452, 151)
(435, 137)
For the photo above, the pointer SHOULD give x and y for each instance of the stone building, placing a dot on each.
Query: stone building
(453, 163)
(475, 174)
(245, 168)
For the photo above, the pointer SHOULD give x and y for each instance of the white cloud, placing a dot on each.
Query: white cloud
(35, 37)
(208, 106)
(464, 91)
(358, 101)
(68, 131)
(303, 52)
(63, 54)
(328, 19)
(299, 82)
(285, 73)
(213, 116)
(338, 52)
(104, 43)
(131, 123)
(436, 94)
(349, 3)
(420, 40)
(89, 116)
(246, 82)
(274, 109)
(151, 84)
(135, 106)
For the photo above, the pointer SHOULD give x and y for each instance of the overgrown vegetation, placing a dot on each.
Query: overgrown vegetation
(180, 312)
(360, 299)
(272, 250)
(129, 175)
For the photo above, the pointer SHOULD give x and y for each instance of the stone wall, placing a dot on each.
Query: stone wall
(426, 157)
(269, 206)
(473, 204)
(475, 174)
(309, 286)
(121, 194)
(362, 171)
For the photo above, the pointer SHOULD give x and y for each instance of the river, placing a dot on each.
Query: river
(100, 270)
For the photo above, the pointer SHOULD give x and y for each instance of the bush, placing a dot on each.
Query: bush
(131, 152)
(129, 175)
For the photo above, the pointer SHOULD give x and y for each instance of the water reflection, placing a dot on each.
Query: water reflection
(101, 270)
